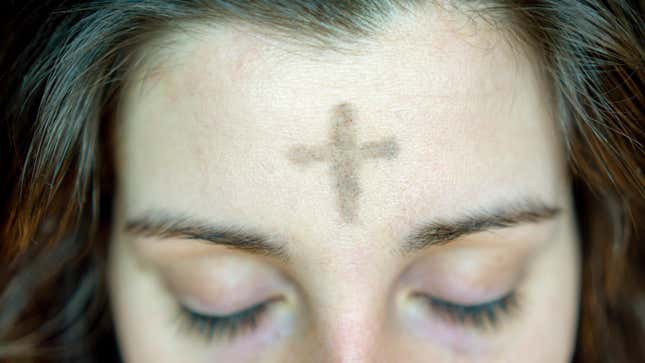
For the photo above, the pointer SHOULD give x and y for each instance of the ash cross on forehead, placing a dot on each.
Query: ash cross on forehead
(345, 156)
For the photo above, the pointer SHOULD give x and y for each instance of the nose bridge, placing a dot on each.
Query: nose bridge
(351, 332)
(351, 311)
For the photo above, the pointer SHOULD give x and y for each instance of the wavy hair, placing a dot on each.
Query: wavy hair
(64, 64)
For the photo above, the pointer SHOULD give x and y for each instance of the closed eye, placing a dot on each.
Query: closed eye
(222, 326)
(482, 316)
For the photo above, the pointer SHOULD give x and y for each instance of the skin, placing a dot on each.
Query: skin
(233, 128)
(345, 157)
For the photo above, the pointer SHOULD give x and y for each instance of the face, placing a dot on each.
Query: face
(409, 202)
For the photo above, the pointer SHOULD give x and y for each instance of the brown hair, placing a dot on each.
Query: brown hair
(65, 63)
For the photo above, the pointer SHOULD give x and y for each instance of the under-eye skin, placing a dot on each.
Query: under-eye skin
(481, 316)
(228, 326)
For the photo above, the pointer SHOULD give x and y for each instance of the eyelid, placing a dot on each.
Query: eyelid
(224, 290)
(482, 315)
(227, 326)
(468, 276)
(189, 304)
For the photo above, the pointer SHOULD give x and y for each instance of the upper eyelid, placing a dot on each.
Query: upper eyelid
(237, 312)
(507, 296)
(226, 325)
(247, 307)
(483, 315)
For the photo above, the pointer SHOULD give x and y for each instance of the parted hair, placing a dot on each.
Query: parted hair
(64, 64)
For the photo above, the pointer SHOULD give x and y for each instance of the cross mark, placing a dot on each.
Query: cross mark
(346, 157)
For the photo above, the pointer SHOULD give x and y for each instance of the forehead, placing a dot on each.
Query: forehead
(209, 131)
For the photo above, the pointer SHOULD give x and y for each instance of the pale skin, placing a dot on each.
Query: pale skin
(218, 134)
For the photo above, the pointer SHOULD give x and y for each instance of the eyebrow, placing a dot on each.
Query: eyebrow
(442, 231)
(434, 232)
(168, 225)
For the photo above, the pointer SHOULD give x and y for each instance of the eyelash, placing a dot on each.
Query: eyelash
(481, 316)
(222, 326)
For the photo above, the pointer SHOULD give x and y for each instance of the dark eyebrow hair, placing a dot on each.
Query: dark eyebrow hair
(437, 232)
(167, 225)
(429, 233)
